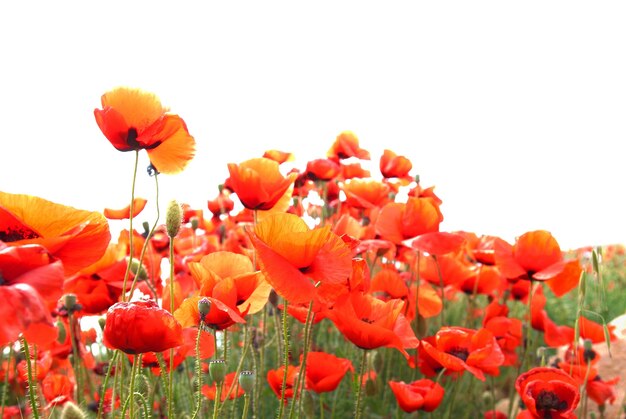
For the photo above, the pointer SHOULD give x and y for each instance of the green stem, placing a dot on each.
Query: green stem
(170, 407)
(198, 372)
(285, 361)
(246, 404)
(239, 366)
(164, 376)
(105, 382)
(130, 227)
(218, 399)
(147, 241)
(301, 380)
(32, 385)
(357, 405)
(76, 364)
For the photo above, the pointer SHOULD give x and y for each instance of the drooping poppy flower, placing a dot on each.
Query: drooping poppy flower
(325, 371)
(298, 262)
(77, 237)
(132, 119)
(275, 380)
(422, 394)
(401, 221)
(394, 166)
(601, 391)
(141, 326)
(258, 183)
(346, 145)
(508, 334)
(548, 393)
(28, 273)
(120, 214)
(370, 323)
(595, 331)
(458, 349)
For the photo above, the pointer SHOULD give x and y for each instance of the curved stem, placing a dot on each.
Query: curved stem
(246, 404)
(130, 227)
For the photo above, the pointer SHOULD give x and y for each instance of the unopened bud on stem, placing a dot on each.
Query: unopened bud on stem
(173, 218)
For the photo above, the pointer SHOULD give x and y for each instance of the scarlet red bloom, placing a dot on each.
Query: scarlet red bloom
(322, 169)
(132, 119)
(141, 326)
(548, 393)
(258, 183)
(400, 221)
(370, 323)
(325, 371)
(458, 349)
(275, 380)
(210, 391)
(423, 395)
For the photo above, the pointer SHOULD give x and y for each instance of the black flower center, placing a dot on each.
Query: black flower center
(547, 401)
(461, 353)
(14, 234)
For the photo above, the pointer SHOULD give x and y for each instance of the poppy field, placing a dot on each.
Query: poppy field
(326, 290)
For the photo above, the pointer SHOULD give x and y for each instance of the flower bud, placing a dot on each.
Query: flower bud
(138, 270)
(173, 219)
(246, 381)
(72, 411)
(62, 334)
(217, 369)
(195, 222)
(102, 321)
(204, 307)
(142, 384)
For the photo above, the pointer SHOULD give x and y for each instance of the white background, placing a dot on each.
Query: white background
(515, 111)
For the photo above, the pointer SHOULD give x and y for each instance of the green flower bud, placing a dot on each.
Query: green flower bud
(247, 380)
(142, 384)
(62, 334)
(102, 321)
(217, 369)
(204, 307)
(173, 219)
(71, 411)
(69, 301)
(138, 270)
(195, 222)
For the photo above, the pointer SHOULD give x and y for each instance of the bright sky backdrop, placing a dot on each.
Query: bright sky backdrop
(515, 111)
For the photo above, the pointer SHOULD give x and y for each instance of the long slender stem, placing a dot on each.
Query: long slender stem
(285, 361)
(239, 366)
(305, 351)
(198, 371)
(246, 404)
(357, 406)
(32, 386)
(130, 227)
(147, 241)
(105, 381)
(76, 364)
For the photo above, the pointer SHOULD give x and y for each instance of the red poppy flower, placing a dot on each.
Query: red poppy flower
(601, 391)
(392, 165)
(548, 393)
(294, 258)
(221, 205)
(438, 243)
(141, 326)
(77, 237)
(401, 221)
(422, 394)
(458, 349)
(346, 145)
(28, 273)
(322, 169)
(275, 380)
(57, 389)
(325, 371)
(210, 391)
(365, 193)
(353, 170)
(370, 323)
(258, 183)
(132, 119)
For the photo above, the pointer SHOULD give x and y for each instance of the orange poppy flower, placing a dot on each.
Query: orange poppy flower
(278, 156)
(325, 371)
(298, 262)
(258, 183)
(366, 193)
(141, 326)
(401, 221)
(221, 205)
(132, 119)
(370, 323)
(392, 165)
(353, 170)
(438, 243)
(120, 214)
(459, 349)
(346, 145)
(422, 394)
(548, 393)
(77, 237)
(28, 274)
